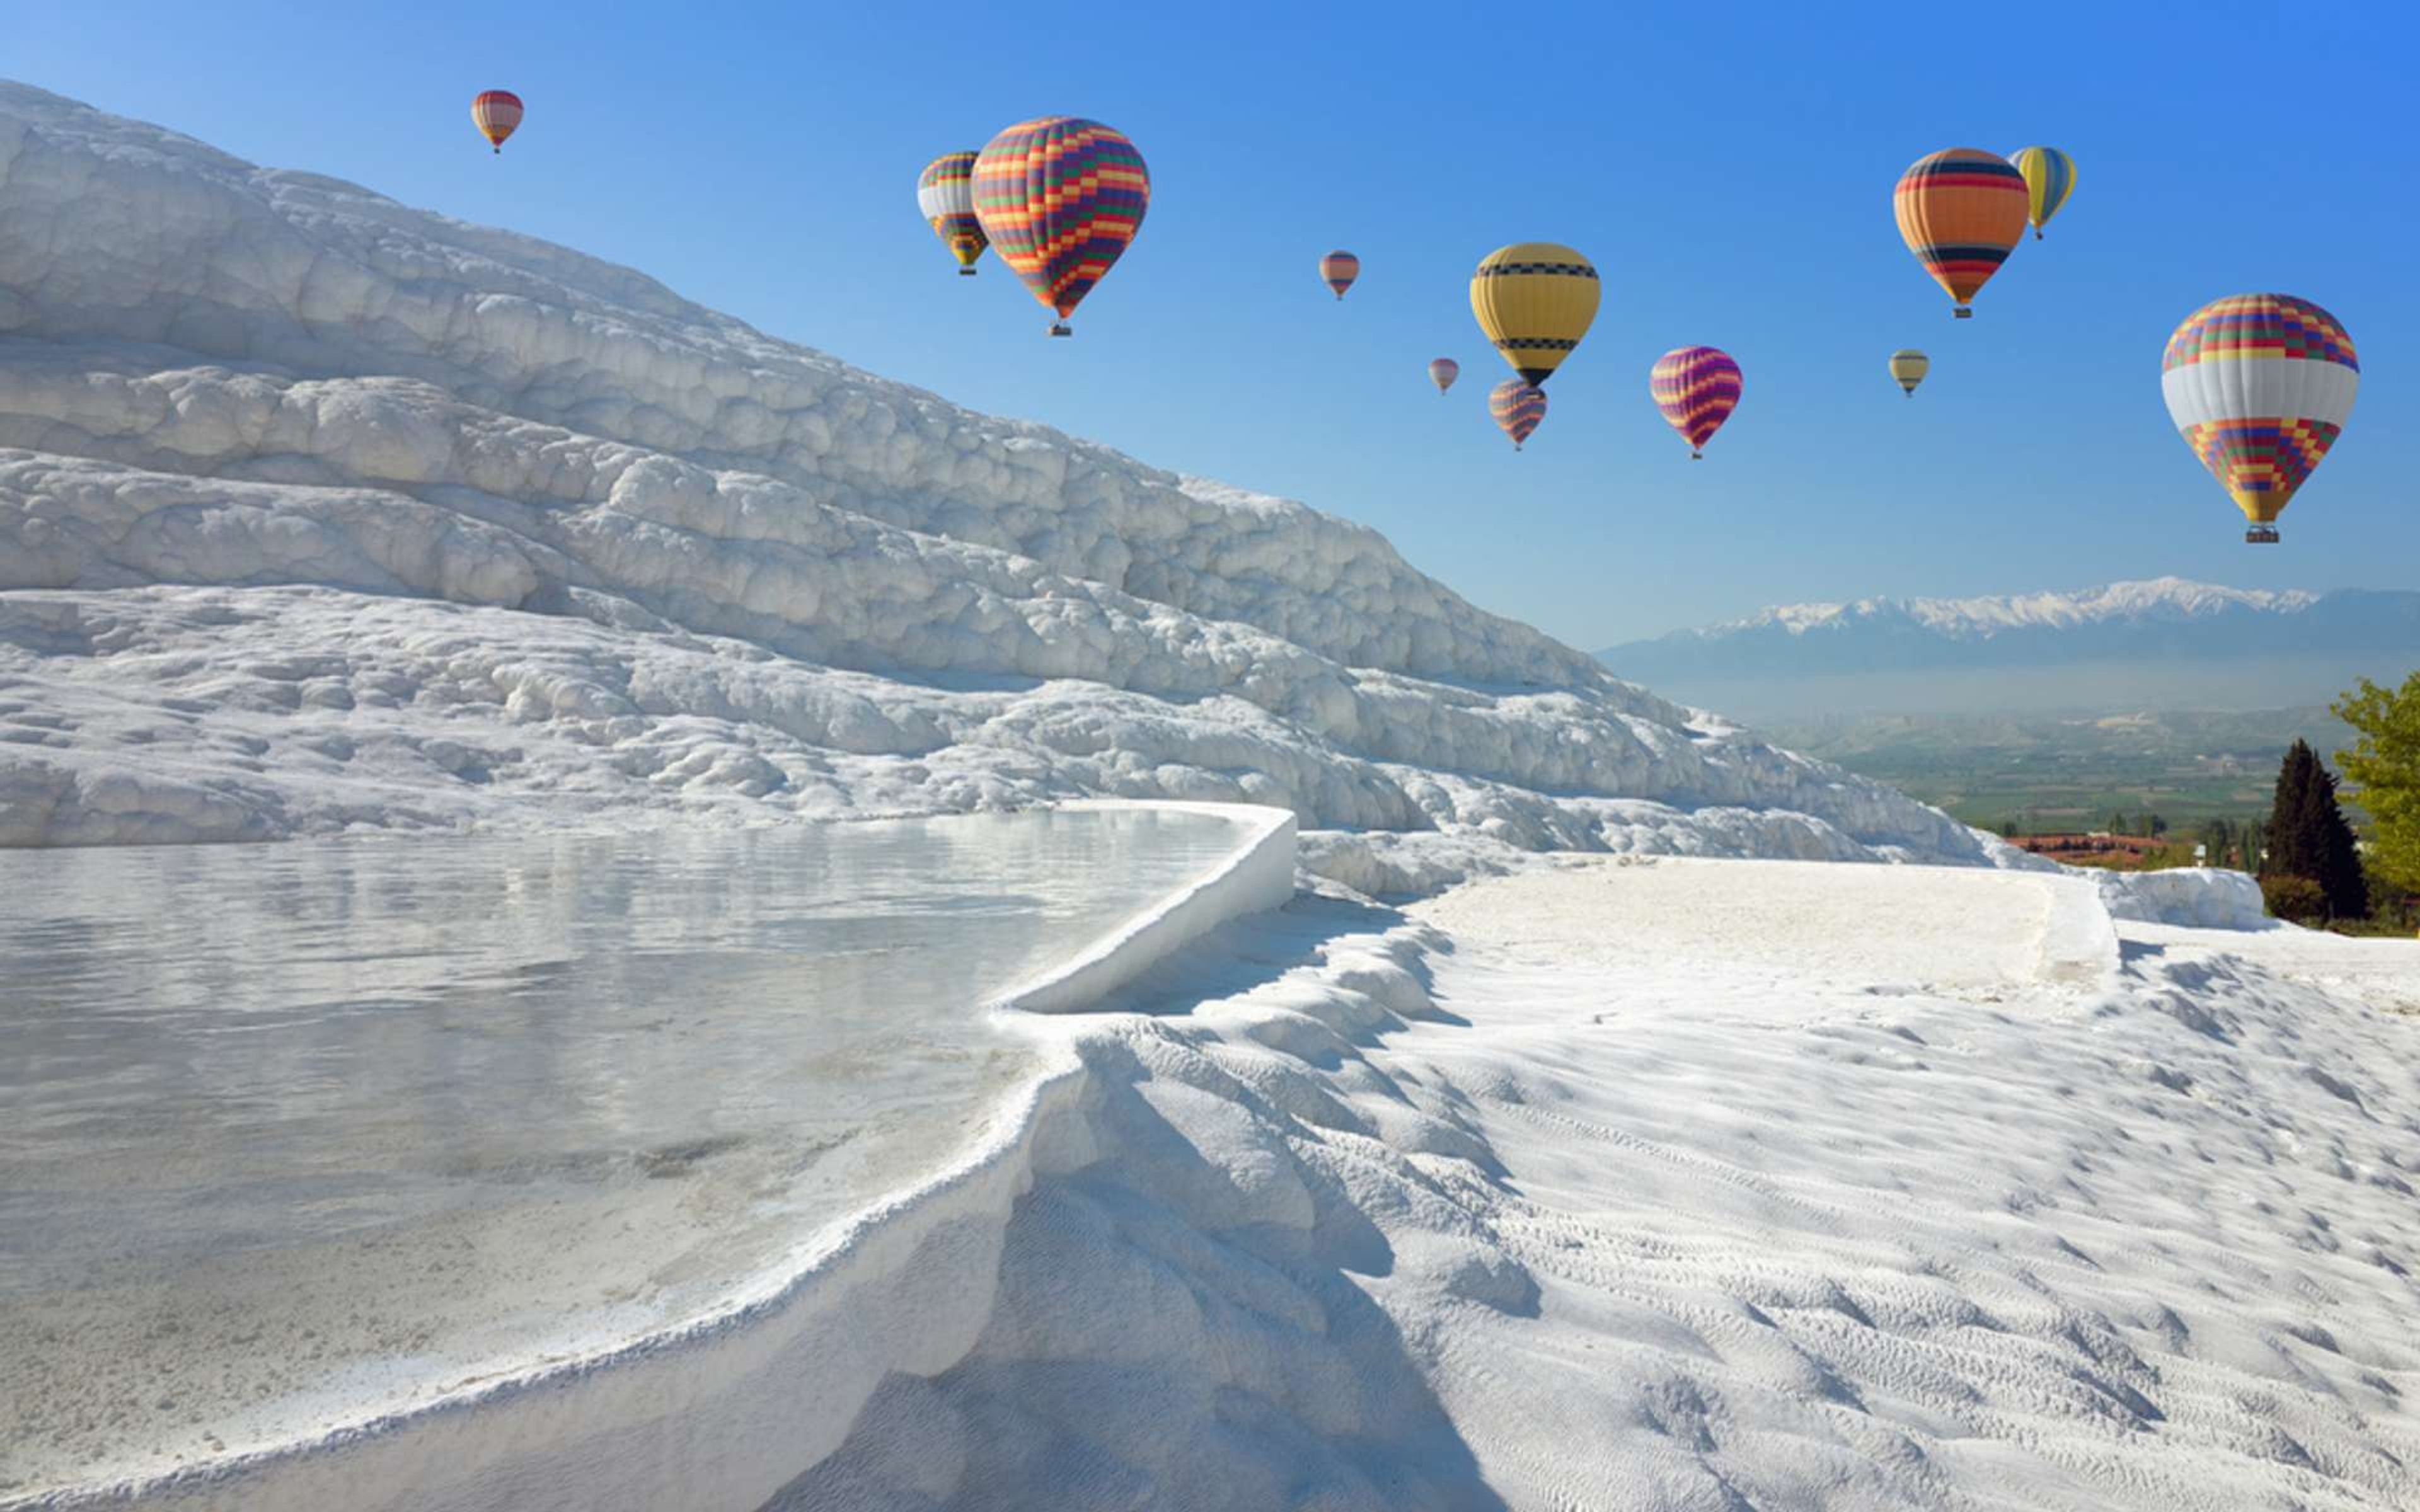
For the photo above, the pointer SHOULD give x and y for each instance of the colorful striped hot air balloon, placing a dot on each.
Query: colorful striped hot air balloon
(1061, 199)
(1696, 388)
(2050, 178)
(2260, 386)
(1535, 301)
(1908, 367)
(1517, 407)
(495, 113)
(945, 192)
(1962, 212)
(1339, 270)
(1442, 371)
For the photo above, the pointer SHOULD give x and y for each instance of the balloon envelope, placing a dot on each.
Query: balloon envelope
(1060, 198)
(2050, 178)
(2260, 386)
(1962, 212)
(945, 192)
(1908, 367)
(1696, 388)
(1339, 269)
(1442, 371)
(495, 113)
(1535, 301)
(1517, 407)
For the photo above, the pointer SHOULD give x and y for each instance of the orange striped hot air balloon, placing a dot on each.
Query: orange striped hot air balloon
(496, 112)
(1339, 270)
(1962, 212)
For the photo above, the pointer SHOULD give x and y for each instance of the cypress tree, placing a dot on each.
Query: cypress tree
(2288, 855)
(2340, 875)
(2307, 836)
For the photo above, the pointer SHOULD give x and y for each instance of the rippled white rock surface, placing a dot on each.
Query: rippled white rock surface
(319, 512)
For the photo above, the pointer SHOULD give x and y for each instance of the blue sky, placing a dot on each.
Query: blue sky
(1731, 182)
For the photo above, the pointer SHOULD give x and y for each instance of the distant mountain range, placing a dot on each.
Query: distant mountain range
(2165, 643)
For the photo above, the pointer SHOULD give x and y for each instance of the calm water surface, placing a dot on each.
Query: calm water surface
(282, 1126)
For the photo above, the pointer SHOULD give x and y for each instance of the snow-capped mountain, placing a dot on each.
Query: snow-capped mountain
(2164, 642)
(319, 512)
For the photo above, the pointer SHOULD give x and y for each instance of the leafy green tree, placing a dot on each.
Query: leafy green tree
(2308, 836)
(2383, 767)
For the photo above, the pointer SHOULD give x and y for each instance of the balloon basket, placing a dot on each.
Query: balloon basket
(2261, 535)
(966, 272)
(1962, 312)
(1062, 331)
(1697, 456)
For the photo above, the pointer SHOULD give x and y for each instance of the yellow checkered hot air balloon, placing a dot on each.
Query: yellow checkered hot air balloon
(1535, 301)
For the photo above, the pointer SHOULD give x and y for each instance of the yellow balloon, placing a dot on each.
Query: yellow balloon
(1535, 299)
(1908, 366)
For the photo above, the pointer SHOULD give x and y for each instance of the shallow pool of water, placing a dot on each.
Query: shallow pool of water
(286, 1129)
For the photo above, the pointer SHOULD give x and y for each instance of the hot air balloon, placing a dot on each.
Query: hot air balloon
(1060, 198)
(2260, 386)
(1339, 269)
(1908, 367)
(1696, 388)
(1442, 371)
(2050, 178)
(1535, 299)
(945, 192)
(496, 112)
(1517, 406)
(1962, 213)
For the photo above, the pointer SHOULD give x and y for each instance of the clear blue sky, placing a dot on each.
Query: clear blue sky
(1731, 182)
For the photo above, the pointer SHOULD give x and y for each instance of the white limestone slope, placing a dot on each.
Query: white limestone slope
(319, 512)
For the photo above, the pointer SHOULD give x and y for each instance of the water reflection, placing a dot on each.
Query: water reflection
(456, 1101)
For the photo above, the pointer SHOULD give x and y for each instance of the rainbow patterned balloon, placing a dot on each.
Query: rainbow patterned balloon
(1962, 212)
(1060, 198)
(1339, 270)
(1696, 388)
(2260, 386)
(495, 113)
(1517, 406)
(945, 192)
(1442, 371)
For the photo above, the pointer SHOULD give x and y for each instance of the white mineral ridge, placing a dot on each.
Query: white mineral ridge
(317, 512)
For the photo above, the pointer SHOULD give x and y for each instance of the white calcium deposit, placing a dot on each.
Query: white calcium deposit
(317, 512)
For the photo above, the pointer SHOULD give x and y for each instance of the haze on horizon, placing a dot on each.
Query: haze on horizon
(763, 162)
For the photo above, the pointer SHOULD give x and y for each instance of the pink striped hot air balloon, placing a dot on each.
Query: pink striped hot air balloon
(1517, 406)
(1442, 371)
(1339, 270)
(1696, 388)
(495, 113)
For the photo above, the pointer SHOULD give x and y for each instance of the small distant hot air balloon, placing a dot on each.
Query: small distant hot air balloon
(2050, 178)
(496, 112)
(1060, 198)
(1908, 367)
(1517, 406)
(1962, 212)
(1535, 299)
(1339, 269)
(1696, 388)
(1442, 371)
(945, 192)
(2260, 386)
